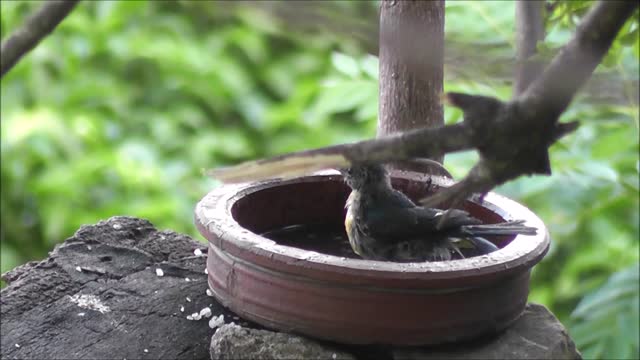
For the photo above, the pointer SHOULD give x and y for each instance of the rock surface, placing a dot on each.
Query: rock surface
(235, 342)
(536, 335)
(98, 296)
(122, 289)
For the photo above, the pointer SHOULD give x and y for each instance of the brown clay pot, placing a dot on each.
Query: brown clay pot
(353, 300)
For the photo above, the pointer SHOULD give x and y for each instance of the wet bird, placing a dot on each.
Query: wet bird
(384, 224)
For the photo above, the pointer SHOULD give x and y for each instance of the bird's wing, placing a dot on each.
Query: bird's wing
(429, 218)
(398, 223)
(397, 199)
(392, 216)
(389, 224)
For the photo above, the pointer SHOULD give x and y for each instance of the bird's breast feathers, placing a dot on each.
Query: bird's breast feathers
(349, 222)
(351, 231)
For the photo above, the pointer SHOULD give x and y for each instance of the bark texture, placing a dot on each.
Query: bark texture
(98, 296)
(411, 64)
(529, 31)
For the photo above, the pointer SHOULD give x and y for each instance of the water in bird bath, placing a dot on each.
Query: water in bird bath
(326, 238)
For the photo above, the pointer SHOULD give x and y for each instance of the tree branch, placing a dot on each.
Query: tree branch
(35, 28)
(398, 147)
(511, 137)
(529, 31)
(573, 66)
(524, 128)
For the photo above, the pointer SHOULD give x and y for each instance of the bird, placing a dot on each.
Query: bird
(384, 224)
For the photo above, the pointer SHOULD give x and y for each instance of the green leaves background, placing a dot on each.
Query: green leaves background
(119, 110)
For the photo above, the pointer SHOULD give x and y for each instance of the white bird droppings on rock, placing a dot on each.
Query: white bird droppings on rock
(117, 226)
(18, 346)
(147, 350)
(90, 302)
(197, 252)
(195, 316)
(206, 271)
(88, 247)
(187, 279)
(188, 299)
(206, 312)
(159, 272)
(78, 269)
(181, 308)
(216, 321)
(209, 292)
(81, 314)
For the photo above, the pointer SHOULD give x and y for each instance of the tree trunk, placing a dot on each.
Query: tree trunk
(411, 58)
(529, 31)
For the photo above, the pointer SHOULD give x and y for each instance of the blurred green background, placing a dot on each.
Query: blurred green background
(118, 111)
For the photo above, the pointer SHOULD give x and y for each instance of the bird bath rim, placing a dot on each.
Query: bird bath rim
(215, 220)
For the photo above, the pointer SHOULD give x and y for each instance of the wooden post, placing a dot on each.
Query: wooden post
(411, 65)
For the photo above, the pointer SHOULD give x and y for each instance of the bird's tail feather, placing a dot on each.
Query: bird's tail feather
(504, 228)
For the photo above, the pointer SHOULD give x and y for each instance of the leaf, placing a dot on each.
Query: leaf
(369, 65)
(600, 170)
(601, 322)
(345, 64)
(342, 96)
(620, 284)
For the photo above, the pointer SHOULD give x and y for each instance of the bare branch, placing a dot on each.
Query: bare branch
(531, 120)
(529, 31)
(35, 28)
(402, 146)
(573, 66)
(511, 137)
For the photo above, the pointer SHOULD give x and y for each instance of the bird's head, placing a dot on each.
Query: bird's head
(361, 176)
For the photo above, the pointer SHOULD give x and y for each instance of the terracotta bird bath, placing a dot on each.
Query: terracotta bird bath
(311, 286)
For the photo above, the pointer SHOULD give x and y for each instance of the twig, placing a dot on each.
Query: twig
(35, 28)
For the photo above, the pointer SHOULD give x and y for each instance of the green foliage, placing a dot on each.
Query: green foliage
(566, 15)
(605, 322)
(119, 110)
(117, 114)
